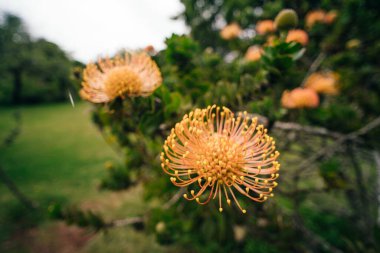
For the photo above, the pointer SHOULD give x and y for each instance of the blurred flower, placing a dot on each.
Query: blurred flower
(298, 35)
(325, 82)
(217, 154)
(239, 233)
(300, 98)
(331, 16)
(265, 26)
(134, 74)
(314, 17)
(286, 19)
(230, 31)
(253, 53)
(354, 43)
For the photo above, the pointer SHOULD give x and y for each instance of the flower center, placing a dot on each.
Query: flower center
(220, 159)
(120, 81)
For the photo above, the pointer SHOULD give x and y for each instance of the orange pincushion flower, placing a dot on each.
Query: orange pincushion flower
(265, 26)
(298, 35)
(314, 17)
(253, 53)
(325, 83)
(215, 153)
(134, 74)
(230, 31)
(300, 98)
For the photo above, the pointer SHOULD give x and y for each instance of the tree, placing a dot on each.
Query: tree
(31, 70)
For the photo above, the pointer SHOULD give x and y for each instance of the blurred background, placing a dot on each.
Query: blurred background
(77, 177)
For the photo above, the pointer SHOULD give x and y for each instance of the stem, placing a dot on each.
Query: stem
(314, 66)
(15, 190)
(363, 195)
(376, 155)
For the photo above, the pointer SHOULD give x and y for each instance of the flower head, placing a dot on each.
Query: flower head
(134, 74)
(298, 35)
(253, 53)
(215, 153)
(265, 26)
(313, 17)
(300, 98)
(230, 31)
(323, 82)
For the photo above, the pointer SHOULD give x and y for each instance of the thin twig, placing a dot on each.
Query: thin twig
(314, 66)
(376, 156)
(174, 199)
(291, 126)
(314, 239)
(12, 187)
(126, 222)
(331, 149)
(139, 219)
(8, 182)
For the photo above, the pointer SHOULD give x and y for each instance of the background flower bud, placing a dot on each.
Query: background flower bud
(286, 19)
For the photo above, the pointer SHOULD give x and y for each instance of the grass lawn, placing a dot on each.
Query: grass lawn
(59, 157)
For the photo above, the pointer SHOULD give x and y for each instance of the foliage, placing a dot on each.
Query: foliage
(74, 215)
(334, 189)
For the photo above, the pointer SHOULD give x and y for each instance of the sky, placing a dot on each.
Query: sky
(87, 29)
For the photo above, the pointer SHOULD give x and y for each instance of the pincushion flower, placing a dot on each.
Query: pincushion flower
(214, 153)
(131, 74)
(323, 82)
(265, 26)
(253, 53)
(300, 98)
(313, 17)
(298, 35)
(230, 31)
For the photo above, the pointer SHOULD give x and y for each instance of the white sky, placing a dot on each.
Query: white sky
(87, 29)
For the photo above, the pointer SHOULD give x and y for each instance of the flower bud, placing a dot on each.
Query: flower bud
(286, 19)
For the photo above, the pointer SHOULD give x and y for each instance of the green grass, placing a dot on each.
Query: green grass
(58, 153)
(59, 157)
